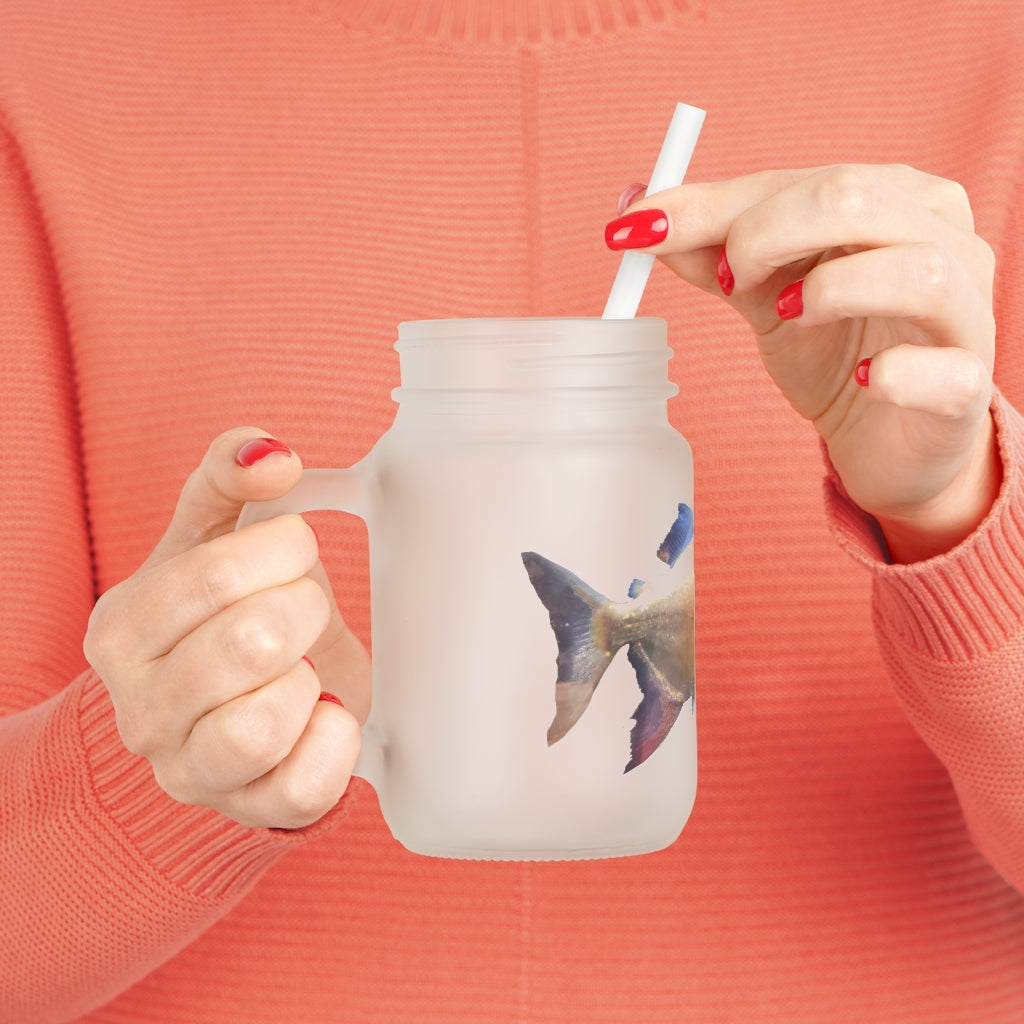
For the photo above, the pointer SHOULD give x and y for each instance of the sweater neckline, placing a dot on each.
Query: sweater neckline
(522, 22)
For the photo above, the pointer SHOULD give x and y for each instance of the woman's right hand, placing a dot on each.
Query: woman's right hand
(203, 650)
(871, 299)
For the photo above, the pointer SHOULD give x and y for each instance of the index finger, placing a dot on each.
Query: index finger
(173, 598)
(700, 214)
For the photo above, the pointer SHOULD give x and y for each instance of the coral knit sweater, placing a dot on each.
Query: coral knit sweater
(215, 213)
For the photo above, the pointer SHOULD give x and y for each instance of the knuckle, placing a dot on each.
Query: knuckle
(931, 271)
(104, 642)
(326, 769)
(96, 643)
(779, 179)
(956, 383)
(221, 581)
(309, 795)
(254, 641)
(953, 196)
(970, 382)
(254, 733)
(265, 633)
(849, 194)
(903, 173)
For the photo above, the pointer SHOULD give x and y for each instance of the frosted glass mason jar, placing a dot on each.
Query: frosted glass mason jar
(529, 515)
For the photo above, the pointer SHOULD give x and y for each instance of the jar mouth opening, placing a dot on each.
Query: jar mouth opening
(569, 355)
(592, 333)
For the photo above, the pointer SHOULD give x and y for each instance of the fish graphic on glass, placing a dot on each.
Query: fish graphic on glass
(655, 624)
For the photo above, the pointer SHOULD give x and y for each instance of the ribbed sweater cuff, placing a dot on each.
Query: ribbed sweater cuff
(196, 849)
(962, 604)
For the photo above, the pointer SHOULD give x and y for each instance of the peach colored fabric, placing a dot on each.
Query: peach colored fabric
(214, 214)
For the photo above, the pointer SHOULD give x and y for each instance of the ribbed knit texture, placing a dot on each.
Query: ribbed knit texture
(214, 214)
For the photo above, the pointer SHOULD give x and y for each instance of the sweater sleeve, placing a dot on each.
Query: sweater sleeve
(102, 876)
(951, 630)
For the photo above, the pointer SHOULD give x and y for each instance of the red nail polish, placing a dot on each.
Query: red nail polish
(309, 663)
(724, 274)
(629, 195)
(637, 230)
(252, 451)
(790, 303)
(330, 698)
(861, 373)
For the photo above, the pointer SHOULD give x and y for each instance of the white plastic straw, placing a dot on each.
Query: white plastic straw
(674, 158)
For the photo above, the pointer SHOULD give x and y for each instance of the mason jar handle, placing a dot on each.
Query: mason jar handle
(331, 490)
(340, 490)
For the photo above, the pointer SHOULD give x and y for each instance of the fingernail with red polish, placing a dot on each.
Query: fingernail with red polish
(629, 195)
(724, 274)
(330, 698)
(790, 303)
(309, 663)
(637, 230)
(861, 373)
(252, 451)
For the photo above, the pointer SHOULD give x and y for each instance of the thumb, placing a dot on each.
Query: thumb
(241, 465)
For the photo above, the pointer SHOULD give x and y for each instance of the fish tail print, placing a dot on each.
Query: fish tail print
(578, 614)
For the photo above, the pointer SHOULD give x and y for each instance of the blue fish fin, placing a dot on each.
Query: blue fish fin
(576, 611)
(678, 538)
(657, 711)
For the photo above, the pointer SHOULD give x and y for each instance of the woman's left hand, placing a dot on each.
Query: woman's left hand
(870, 297)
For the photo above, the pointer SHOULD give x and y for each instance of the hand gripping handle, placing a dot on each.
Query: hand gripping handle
(341, 490)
